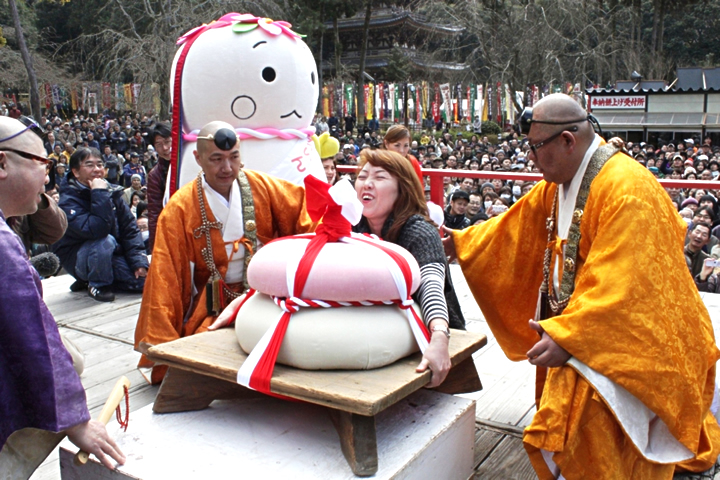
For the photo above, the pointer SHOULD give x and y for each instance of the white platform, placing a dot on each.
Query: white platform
(428, 435)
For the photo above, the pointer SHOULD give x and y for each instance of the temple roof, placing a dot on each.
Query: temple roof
(689, 80)
(391, 17)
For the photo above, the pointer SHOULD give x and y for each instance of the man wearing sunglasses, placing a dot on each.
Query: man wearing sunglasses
(41, 394)
(230, 210)
(622, 341)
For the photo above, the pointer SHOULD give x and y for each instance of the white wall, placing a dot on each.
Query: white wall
(669, 103)
(713, 103)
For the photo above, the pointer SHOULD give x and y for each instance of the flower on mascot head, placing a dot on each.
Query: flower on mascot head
(243, 23)
(248, 22)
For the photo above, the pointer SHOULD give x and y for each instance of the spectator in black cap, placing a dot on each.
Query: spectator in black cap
(455, 215)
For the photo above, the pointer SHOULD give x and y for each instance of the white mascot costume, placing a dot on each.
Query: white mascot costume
(260, 77)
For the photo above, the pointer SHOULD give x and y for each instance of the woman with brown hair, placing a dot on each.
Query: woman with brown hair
(394, 209)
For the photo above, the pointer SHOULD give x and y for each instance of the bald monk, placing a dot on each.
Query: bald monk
(41, 397)
(230, 210)
(622, 341)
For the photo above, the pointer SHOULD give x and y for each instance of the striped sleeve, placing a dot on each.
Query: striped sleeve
(431, 292)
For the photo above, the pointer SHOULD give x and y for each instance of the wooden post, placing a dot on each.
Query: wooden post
(358, 441)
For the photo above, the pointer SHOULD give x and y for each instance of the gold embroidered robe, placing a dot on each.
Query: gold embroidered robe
(167, 297)
(635, 317)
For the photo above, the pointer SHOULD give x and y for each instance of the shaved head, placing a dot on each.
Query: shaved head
(26, 141)
(557, 150)
(220, 166)
(204, 145)
(22, 180)
(559, 107)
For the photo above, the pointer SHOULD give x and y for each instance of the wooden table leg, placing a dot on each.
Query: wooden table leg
(358, 441)
(183, 391)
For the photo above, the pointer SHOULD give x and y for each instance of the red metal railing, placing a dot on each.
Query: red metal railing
(436, 179)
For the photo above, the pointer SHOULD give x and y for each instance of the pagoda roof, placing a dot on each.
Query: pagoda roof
(391, 17)
(382, 61)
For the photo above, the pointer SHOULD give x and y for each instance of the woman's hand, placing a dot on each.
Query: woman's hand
(436, 357)
(449, 244)
(227, 316)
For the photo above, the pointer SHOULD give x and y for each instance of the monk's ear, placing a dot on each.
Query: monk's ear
(197, 157)
(3, 166)
(569, 140)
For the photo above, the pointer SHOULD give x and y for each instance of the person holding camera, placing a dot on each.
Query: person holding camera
(695, 257)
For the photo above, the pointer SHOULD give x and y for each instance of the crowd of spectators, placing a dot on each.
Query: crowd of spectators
(481, 198)
(128, 156)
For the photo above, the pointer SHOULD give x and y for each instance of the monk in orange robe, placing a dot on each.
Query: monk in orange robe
(174, 300)
(626, 371)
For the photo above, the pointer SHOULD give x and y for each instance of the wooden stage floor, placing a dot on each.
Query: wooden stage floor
(105, 331)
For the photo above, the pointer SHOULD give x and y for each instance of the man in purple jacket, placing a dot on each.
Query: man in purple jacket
(39, 388)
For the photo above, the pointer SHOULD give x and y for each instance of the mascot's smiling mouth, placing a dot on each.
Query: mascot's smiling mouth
(291, 113)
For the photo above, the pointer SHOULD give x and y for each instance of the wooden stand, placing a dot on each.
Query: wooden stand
(203, 368)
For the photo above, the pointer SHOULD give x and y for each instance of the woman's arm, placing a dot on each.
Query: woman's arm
(422, 240)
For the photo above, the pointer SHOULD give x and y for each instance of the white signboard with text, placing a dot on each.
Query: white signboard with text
(618, 101)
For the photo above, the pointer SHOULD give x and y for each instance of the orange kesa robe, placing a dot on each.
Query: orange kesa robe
(169, 310)
(635, 317)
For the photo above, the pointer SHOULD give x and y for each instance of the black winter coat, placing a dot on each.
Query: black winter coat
(93, 215)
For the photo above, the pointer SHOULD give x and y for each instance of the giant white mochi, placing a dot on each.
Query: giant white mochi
(341, 272)
(258, 76)
(352, 338)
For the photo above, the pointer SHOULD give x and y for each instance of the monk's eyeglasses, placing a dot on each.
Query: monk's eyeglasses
(534, 147)
(28, 155)
(29, 124)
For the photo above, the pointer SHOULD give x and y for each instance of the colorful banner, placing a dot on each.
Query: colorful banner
(157, 104)
(349, 100)
(136, 89)
(127, 89)
(458, 103)
(83, 98)
(106, 96)
(425, 104)
(56, 95)
(447, 101)
(73, 98)
(419, 110)
(370, 105)
(119, 96)
(391, 90)
(509, 106)
(48, 96)
(498, 108)
(325, 102)
(92, 103)
(399, 105)
(470, 111)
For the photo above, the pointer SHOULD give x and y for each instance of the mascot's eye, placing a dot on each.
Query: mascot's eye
(312, 77)
(268, 74)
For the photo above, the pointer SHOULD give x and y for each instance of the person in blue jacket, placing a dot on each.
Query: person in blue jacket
(102, 247)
